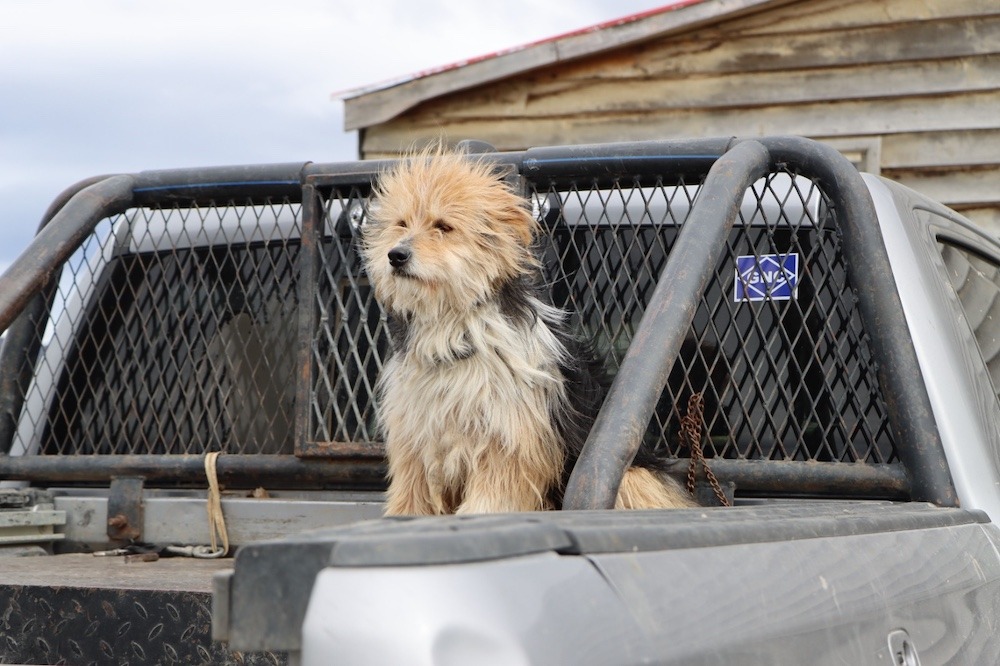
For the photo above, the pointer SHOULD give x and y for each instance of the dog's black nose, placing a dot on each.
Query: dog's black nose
(398, 256)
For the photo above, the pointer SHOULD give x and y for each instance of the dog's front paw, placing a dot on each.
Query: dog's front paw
(410, 504)
(409, 507)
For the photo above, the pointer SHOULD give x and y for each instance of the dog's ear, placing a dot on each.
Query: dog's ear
(520, 221)
(513, 212)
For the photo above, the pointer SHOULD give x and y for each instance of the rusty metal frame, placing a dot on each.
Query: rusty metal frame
(126, 512)
(312, 221)
(731, 166)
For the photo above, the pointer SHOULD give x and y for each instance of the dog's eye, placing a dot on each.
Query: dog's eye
(442, 226)
(401, 223)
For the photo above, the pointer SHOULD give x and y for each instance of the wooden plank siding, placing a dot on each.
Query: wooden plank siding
(956, 112)
(919, 79)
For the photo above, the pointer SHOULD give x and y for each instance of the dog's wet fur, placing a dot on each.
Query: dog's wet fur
(486, 399)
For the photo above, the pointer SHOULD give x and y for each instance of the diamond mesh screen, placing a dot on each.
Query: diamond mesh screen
(177, 330)
(350, 339)
(782, 379)
(174, 332)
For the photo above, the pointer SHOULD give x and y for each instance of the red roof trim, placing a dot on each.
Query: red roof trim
(631, 18)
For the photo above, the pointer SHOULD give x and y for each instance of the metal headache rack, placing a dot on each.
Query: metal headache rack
(226, 309)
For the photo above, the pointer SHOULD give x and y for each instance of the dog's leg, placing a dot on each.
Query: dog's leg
(507, 482)
(644, 489)
(409, 492)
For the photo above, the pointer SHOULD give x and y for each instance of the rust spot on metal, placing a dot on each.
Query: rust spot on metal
(362, 450)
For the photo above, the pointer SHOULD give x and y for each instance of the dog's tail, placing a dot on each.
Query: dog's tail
(647, 482)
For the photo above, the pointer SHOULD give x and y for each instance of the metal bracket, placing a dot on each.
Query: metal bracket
(705, 495)
(125, 509)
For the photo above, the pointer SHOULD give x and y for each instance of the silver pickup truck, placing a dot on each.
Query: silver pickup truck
(838, 328)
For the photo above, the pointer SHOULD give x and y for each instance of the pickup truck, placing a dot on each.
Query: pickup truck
(836, 328)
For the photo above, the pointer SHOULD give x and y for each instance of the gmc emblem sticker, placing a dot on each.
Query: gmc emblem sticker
(768, 276)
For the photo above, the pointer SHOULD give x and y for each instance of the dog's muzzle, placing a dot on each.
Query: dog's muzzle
(399, 256)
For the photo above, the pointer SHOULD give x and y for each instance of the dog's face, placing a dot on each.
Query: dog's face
(444, 230)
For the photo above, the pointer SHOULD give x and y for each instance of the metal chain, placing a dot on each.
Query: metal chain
(691, 435)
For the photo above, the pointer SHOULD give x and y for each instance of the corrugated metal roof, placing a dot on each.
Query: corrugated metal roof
(377, 103)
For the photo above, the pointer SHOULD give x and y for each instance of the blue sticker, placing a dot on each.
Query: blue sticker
(768, 276)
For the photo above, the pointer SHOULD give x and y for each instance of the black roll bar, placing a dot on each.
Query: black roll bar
(731, 167)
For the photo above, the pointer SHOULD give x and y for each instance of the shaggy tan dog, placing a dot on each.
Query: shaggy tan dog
(486, 400)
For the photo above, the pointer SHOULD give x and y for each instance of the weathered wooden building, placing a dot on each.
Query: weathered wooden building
(908, 88)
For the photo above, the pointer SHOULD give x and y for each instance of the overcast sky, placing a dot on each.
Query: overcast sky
(117, 86)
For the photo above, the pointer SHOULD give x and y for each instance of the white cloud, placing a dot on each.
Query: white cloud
(118, 85)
